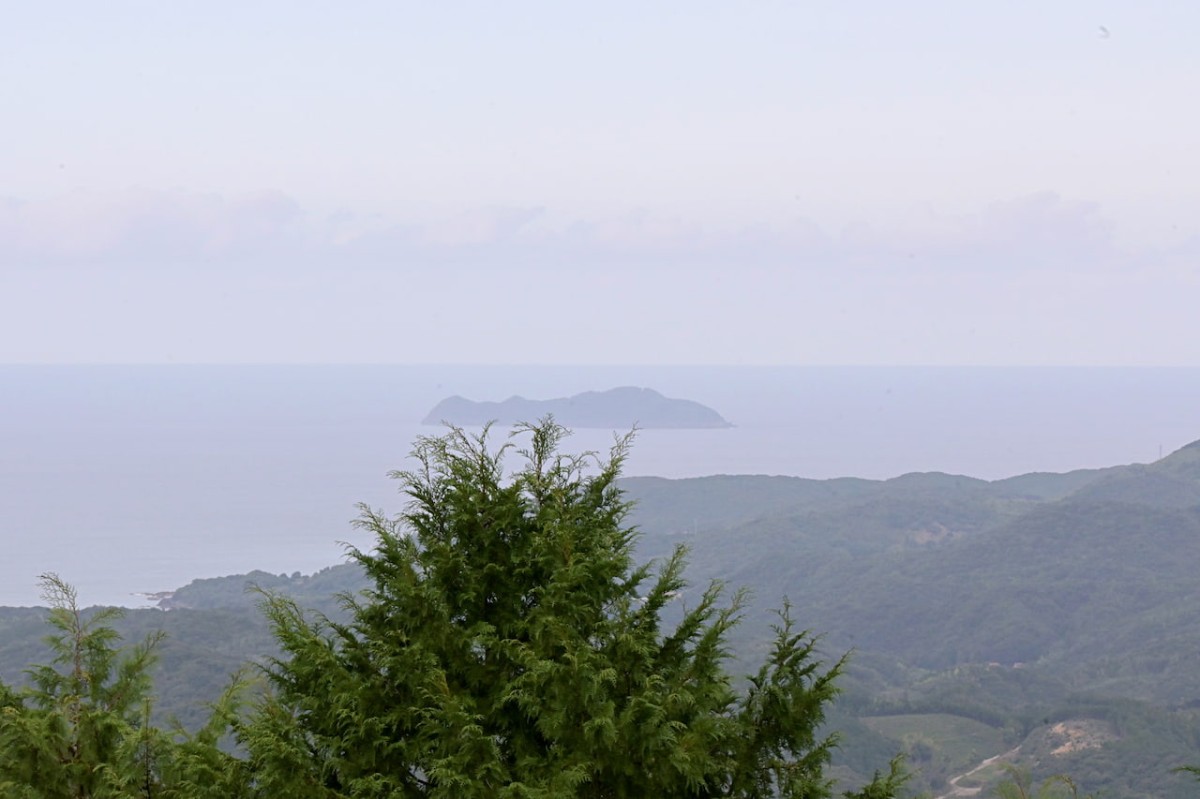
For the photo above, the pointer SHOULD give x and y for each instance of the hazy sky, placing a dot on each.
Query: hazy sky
(693, 182)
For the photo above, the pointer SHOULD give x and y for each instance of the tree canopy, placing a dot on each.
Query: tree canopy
(81, 729)
(510, 647)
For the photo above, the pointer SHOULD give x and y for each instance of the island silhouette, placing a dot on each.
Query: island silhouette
(617, 408)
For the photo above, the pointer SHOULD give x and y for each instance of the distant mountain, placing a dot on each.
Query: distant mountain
(1091, 574)
(618, 408)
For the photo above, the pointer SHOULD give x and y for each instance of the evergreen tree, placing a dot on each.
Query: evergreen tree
(510, 647)
(79, 730)
(82, 729)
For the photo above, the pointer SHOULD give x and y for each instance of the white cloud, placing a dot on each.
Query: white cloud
(268, 231)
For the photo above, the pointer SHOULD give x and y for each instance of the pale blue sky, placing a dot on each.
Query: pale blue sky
(701, 182)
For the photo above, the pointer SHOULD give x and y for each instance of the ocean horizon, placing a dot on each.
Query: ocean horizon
(130, 480)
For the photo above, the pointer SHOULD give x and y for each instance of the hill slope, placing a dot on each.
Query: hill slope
(1020, 610)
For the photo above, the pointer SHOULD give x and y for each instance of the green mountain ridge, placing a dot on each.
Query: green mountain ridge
(1019, 604)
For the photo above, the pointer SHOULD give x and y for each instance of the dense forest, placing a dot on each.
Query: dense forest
(1048, 619)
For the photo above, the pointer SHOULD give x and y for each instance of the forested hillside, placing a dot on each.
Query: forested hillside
(1049, 617)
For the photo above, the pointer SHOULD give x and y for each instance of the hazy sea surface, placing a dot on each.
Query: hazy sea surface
(128, 479)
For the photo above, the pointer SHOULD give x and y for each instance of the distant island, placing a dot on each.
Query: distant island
(617, 408)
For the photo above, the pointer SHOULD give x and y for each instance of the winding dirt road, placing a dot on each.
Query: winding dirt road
(957, 790)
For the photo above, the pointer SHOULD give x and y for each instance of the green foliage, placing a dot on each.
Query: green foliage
(1019, 785)
(1193, 771)
(947, 574)
(940, 744)
(884, 787)
(508, 646)
(78, 730)
(1149, 742)
(82, 730)
(242, 592)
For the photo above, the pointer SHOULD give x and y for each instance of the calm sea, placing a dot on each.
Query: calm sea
(130, 479)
